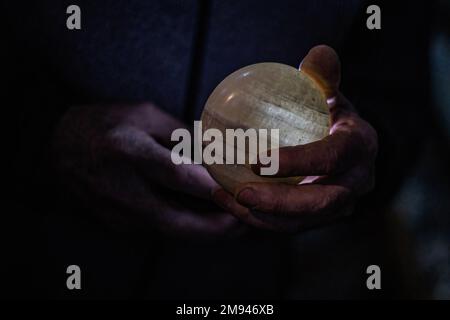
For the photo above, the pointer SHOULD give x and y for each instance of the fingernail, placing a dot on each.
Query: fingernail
(247, 197)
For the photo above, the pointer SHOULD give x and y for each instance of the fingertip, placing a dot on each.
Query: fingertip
(323, 65)
(247, 196)
(220, 197)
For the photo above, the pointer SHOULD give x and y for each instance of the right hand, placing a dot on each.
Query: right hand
(116, 159)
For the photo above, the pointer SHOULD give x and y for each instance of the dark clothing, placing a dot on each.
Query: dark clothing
(173, 53)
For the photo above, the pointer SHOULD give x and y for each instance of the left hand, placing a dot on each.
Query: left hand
(338, 168)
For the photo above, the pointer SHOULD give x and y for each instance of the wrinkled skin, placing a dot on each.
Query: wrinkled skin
(116, 160)
(338, 168)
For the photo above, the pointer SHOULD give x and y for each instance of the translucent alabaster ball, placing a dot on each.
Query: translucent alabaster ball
(265, 96)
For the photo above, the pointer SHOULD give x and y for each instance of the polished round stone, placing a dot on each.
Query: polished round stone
(266, 96)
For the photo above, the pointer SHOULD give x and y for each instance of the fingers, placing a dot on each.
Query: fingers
(323, 65)
(125, 200)
(351, 140)
(333, 154)
(348, 152)
(154, 161)
(227, 202)
(155, 122)
(187, 217)
(288, 200)
(318, 215)
(346, 144)
(192, 179)
(184, 222)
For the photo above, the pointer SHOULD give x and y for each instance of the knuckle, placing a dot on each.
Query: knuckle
(331, 162)
(325, 201)
(273, 203)
(332, 200)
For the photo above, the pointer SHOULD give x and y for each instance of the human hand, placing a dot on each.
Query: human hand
(116, 159)
(337, 169)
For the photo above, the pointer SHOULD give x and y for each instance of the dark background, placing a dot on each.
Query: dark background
(42, 228)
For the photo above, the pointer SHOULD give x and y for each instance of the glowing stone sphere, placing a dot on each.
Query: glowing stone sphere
(265, 96)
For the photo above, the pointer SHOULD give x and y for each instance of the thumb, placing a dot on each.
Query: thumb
(323, 65)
